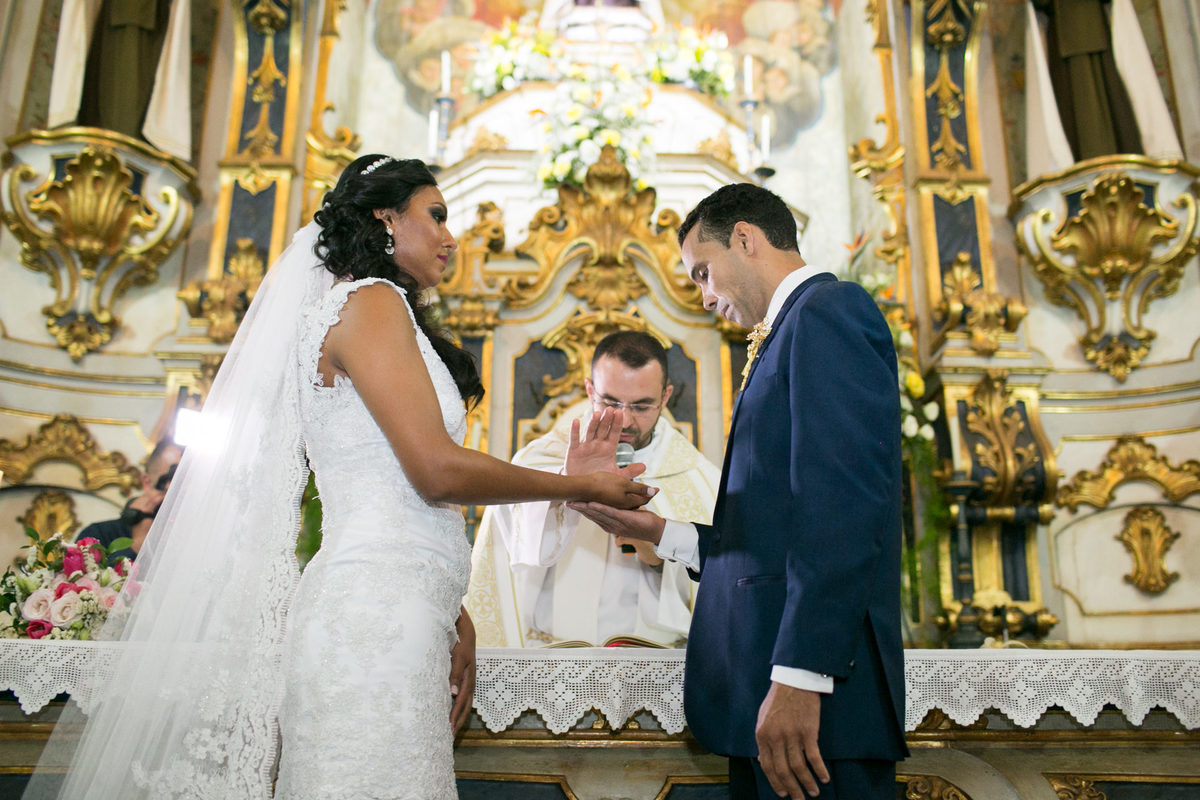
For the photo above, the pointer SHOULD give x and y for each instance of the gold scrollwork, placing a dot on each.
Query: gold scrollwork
(326, 155)
(267, 19)
(609, 225)
(103, 239)
(1147, 538)
(51, 512)
(930, 787)
(65, 439)
(1130, 459)
(993, 415)
(1074, 787)
(985, 314)
(487, 141)
(720, 148)
(946, 34)
(471, 294)
(223, 301)
(1111, 243)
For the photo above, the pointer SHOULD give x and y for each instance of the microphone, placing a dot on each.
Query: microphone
(624, 454)
(624, 459)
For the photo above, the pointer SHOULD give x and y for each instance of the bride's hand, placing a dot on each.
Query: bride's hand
(596, 450)
(617, 491)
(462, 671)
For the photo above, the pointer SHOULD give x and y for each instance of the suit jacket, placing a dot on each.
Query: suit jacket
(801, 566)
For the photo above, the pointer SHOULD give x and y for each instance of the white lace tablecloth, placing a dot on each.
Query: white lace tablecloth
(562, 686)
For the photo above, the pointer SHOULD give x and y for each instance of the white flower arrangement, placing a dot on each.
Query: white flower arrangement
(916, 418)
(518, 52)
(701, 61)
(594, 107)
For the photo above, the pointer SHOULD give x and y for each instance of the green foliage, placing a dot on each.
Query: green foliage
(309, 540)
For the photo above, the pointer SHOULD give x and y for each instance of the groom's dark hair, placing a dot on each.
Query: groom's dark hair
(742, 202)
(634, 349)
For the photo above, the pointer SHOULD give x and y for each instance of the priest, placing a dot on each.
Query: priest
(542, 574)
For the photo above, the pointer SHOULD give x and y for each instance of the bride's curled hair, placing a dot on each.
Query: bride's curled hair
(351, 245)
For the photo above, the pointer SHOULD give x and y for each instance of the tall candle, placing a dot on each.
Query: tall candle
(748, 76)
(433, 133)
(766, 137)
(445, 73)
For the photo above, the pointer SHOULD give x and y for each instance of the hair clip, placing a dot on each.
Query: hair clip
(376, 164)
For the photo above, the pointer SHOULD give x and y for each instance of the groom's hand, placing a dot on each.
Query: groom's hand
(640, 524)
(788, 721)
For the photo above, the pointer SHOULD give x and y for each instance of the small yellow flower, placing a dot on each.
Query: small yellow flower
(914, 383)
(544, 171)
(574, 113)
(609, 136)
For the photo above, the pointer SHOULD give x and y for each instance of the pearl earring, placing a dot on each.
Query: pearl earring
(389, 248)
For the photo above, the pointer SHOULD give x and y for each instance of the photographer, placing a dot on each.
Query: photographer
(134, 522)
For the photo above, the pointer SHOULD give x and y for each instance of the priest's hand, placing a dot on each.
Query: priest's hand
(596, 450)
(640, 524)
(462, 671)
(788, 721)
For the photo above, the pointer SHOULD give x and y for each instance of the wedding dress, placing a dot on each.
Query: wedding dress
(366, 661)
(218, 645)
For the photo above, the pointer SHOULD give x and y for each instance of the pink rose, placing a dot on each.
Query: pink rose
(38, 628)
(88, 585)
(94, 545)
(132, 588)
(37, 605)
(65, 610)
(107, 598)
(72, 560)
(63, 588)
(121, 567)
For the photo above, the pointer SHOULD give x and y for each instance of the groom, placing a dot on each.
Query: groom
(795, 665)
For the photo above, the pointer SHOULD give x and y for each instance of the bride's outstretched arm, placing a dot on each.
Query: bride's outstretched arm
(375, 344)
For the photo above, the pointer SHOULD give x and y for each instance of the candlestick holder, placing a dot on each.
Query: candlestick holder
(749, 106)
(445, 107)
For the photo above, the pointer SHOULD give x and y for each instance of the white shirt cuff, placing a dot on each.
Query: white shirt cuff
(802, 679)
(680, 542)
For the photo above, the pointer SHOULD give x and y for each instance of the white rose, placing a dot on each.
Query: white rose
(931, 411)
(926, 432)
(65, 610)
(905, 403)
(910, 426)
(6, 620)
(589, 151)
(906, 339)
(37, 605)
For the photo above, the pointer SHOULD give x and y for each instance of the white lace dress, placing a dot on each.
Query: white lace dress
(367, 705)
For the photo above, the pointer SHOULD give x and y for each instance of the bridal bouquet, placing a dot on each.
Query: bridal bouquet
(594, 107)
(61, 590)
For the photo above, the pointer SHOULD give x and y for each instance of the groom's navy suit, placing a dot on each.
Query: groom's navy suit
(801, 566)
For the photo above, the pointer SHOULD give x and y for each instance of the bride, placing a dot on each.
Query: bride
(348, 682)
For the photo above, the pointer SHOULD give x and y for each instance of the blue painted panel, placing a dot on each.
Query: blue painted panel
(473, 789)
(251, 216)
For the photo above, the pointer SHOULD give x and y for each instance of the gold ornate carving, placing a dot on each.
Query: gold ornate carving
(471, 294)
(267, 18)
(1115, 256)
(326, 156)
(102, 239)
(486, 141)
(930, 787)
(609, 226)
(985, 314)
(1074, 787)
(938, 720)
(946, 34)
(1130, 459)
(65, 439)
(993, 415)
(223, 301)
(52, 512)
(1147, 538)
(720, 148)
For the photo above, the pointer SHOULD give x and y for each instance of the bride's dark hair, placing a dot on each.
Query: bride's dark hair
(351, 245)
